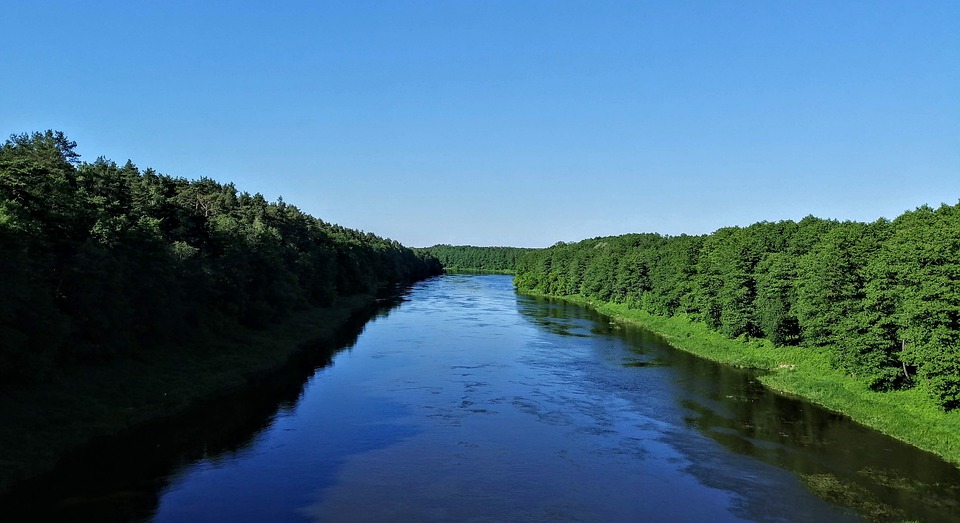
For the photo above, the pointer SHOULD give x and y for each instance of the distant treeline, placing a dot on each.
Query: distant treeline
(470, 258)
(99, 260)
(882, 298)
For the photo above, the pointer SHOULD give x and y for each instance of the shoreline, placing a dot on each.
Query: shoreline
(906, 415)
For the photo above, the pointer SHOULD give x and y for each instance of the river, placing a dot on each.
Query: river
(468, 402)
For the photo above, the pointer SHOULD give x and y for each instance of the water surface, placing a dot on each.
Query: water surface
(470, 403)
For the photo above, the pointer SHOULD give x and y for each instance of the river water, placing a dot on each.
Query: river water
(467, 402)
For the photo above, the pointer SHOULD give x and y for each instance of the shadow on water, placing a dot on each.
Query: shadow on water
(558, 317)
(843, 462)
(122, 478)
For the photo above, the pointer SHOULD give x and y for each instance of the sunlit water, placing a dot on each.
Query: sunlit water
(470, 403)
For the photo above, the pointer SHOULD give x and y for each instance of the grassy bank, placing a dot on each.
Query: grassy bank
(910, 415)
(41, 424)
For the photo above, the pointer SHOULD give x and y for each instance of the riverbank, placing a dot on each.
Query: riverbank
(909, 415)
(41, 424)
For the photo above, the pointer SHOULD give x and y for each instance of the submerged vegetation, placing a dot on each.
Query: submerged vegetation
(469, 258)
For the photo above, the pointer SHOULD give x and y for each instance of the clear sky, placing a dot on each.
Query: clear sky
(509, 122)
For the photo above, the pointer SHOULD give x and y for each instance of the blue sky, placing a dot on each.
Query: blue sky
(509, 123)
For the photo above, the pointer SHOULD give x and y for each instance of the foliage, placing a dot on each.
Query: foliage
(101, 260)
(470, 258)
(881, 300)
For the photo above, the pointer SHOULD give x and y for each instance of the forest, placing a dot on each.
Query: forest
(102, 261)
(470, 258)
(882, 299)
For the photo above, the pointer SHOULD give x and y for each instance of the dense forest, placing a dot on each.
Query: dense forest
(882, 298)
(100, 260)
(470, 258)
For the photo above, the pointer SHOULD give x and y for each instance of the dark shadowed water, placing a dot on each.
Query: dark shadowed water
(470, 403)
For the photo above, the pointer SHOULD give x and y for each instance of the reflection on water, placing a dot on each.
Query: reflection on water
(470, 403)
(123, 478)
(841, 461)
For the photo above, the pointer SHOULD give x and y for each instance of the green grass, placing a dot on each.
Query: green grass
(908, 415)
(42, 423)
